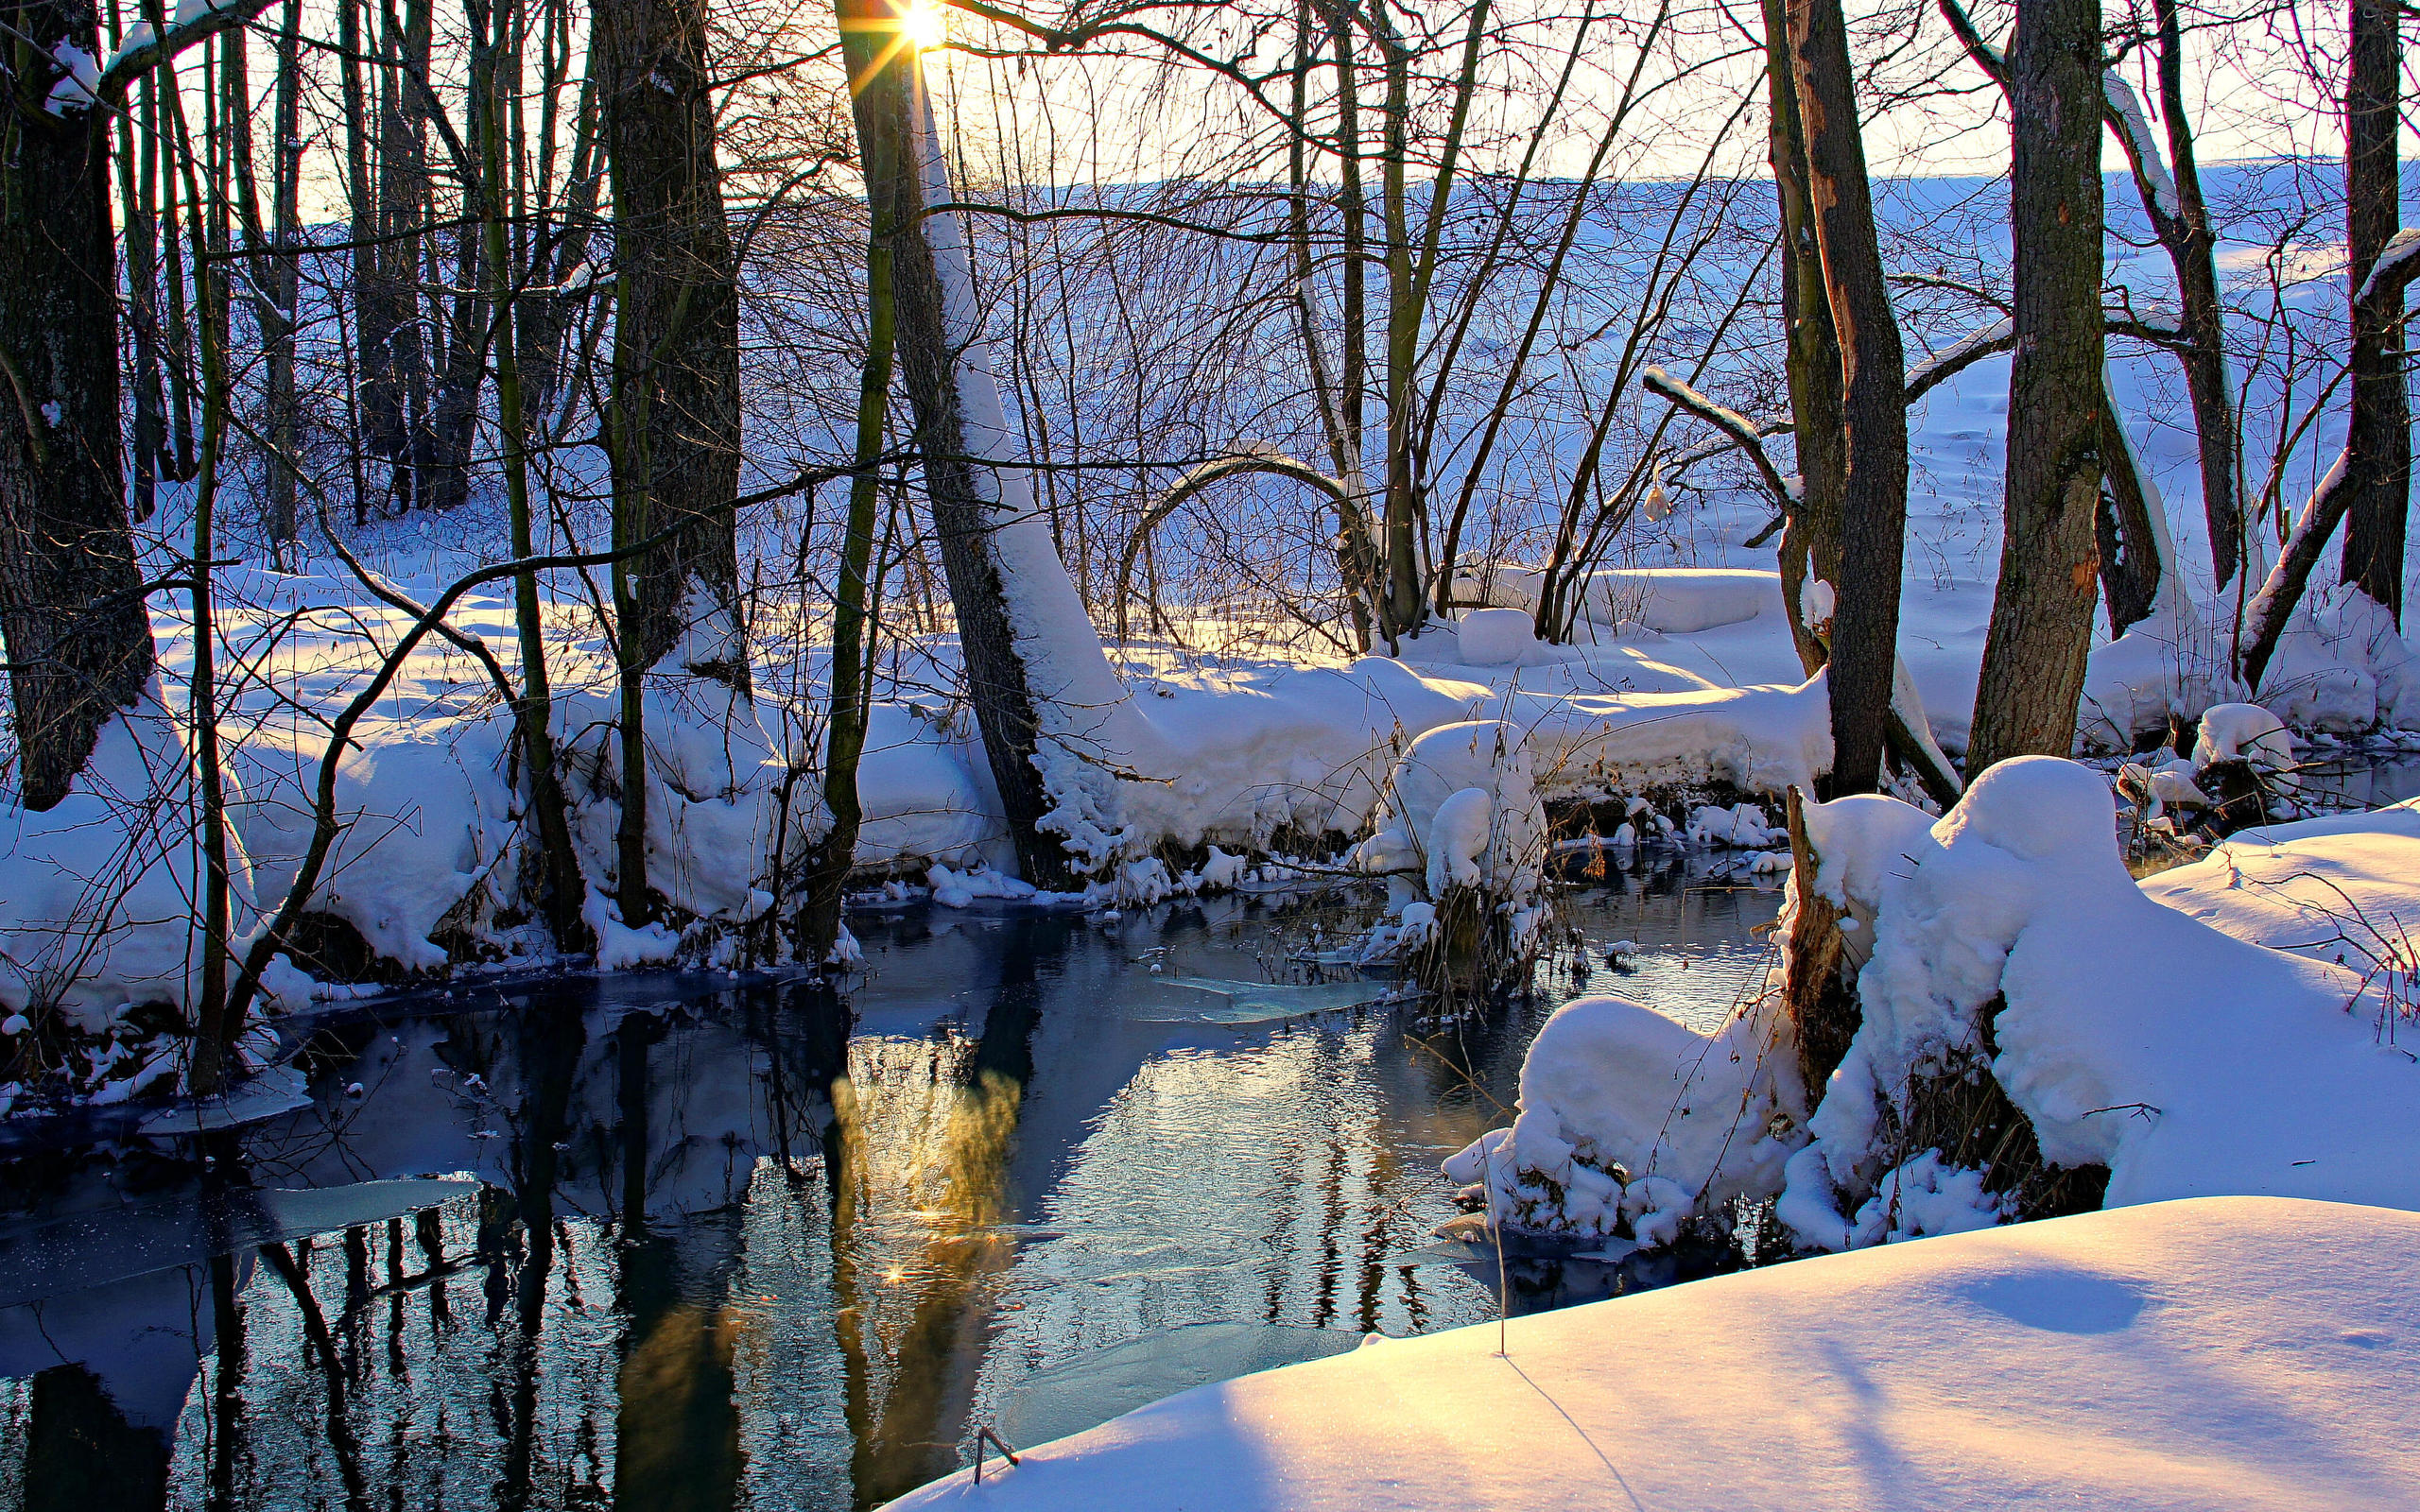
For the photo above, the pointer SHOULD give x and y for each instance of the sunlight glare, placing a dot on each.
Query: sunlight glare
(925, 24)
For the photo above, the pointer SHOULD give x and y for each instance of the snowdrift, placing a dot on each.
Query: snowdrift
(2242, 1352)
(2245, 1024)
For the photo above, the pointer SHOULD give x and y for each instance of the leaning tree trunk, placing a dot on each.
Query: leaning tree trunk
(70, 601)
(1013, 602)
(2374, 471)
(2041, 627)
(1873, 413)
(2377, 445)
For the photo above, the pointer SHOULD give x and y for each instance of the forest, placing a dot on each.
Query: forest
(1304, 514)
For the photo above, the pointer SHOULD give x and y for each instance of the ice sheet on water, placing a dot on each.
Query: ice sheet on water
(276, 1091)
(1221, 1000)
(92, 1248)
(1095, 1387)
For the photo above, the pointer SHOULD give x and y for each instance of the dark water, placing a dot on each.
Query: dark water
(704, 1245)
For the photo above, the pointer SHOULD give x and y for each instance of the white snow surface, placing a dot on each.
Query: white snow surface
(1627, 1115)
(2186, 1059)
(2239, 1353)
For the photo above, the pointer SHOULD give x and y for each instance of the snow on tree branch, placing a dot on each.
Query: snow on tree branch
(1742, 431)
(196, 20)
(2396, 267)
(2124, 112)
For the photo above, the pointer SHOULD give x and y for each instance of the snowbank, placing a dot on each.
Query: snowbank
(2338, 890)
(2184, 1059)
(2240, 1353)
(96, 891)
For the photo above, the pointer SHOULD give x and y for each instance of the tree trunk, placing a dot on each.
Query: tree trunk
(2191, 249)
(70, 601)
(138, 211)
(2374, 470)
(967, 485)
(2132, 568)
(2378, 444)
(2041, 627)
(1874, 411)
(1811, 541)
(827, 870)
(562, 892)
(675, 336)
(394, 353)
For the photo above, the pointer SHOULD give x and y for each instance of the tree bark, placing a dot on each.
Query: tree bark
(964, 492)
(827, 867)
(2374, 470)
(1874, 418)
(562, 889)
(676, 338)
(70, 601)
(1811, 541)
(2377, 445)
(2041, 626)
(2191, 249)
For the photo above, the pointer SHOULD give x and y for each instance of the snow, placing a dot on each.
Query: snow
(1462, 810)
(2400, 248)
(2245, 733)
(2335, 889)
(96, 890)
(1669, 600)
(2185, 1059)
(1624, 1112)
(1495, 637)
(2241, 1353)
(2141, 149)
(79, 87)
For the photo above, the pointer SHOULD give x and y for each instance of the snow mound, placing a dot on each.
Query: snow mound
(2245, 733)
(1629, 1119)
(1668, 600)
(96, 891)
(1461, 810)
(2243, 1353)
(1495, 637)
(2184, 1059)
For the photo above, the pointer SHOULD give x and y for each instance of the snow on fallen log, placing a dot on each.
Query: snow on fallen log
(2241, 1353)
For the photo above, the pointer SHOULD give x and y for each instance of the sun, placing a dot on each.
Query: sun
(925, 24)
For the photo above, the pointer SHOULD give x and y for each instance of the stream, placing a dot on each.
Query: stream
(687, 1242)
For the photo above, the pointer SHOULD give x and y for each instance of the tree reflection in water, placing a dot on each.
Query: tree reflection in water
(742, 1246)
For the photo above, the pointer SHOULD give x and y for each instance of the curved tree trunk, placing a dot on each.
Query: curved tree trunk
(70, 601)
(2041, 627)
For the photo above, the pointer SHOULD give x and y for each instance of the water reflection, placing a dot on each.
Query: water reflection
(731, 1246)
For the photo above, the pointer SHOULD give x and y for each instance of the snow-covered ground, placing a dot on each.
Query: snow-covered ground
(2233, 1353)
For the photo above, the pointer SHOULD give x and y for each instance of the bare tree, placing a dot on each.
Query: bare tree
(2041, 626)
(1874, 416)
